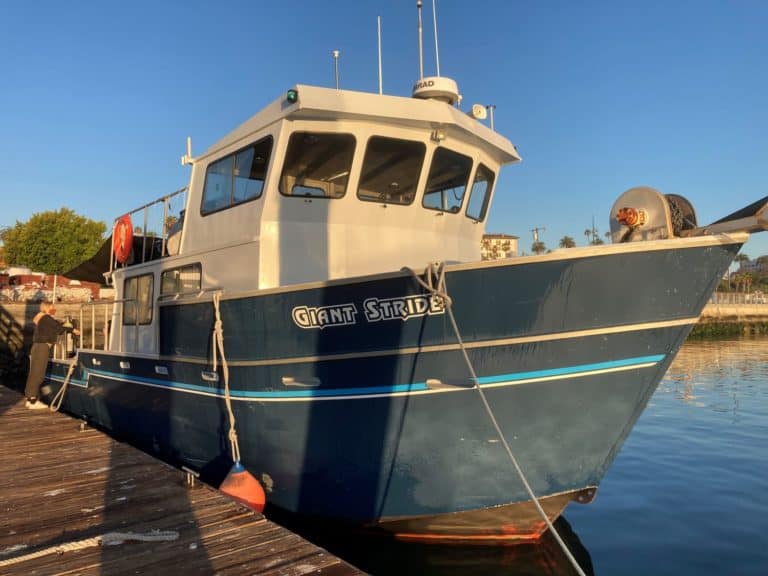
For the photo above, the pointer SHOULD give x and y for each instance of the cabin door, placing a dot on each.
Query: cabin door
(138, 325)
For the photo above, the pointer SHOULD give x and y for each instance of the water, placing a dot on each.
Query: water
(688, 493)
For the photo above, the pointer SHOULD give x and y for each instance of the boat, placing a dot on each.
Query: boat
(378, 371)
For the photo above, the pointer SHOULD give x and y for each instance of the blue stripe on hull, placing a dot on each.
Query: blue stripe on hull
(350, 393)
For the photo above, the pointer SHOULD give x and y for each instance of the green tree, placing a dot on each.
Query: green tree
(538, 247)
(741, 259)
(567, 242)
(52, 242)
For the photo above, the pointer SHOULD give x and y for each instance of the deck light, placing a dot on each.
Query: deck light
(438, 135)
(292, 96)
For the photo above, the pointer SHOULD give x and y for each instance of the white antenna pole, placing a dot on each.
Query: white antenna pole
(434, 21)
(491, 108)
(381, 81)
(421, 47)
(336, 66)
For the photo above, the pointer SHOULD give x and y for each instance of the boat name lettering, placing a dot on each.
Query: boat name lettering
(402, 308)
(324, 316)
(423, 84)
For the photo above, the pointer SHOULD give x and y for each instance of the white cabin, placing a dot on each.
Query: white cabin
(324, 184)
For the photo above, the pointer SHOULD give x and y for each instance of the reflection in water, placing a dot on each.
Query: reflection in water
(381, 555)
(686, 494)
(726, 369)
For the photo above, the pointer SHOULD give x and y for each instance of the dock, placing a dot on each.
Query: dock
(73, 501)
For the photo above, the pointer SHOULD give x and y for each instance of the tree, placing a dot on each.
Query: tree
(741, 259)
(52, 242)
(567, 242)
(538, 247)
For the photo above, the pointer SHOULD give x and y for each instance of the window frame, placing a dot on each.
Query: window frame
(233, 157)
(467, 188)
(418, 176)
(489, 190)
(283, 168)
(140, 314)
(195, 265)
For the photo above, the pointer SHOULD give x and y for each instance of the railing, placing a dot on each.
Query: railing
(95, 323)
(158, 219)
(739, 298)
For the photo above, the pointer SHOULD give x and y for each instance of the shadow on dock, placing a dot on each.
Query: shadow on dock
(68, 484)
(64, 484)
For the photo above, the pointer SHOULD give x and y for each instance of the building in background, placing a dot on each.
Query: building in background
(496, 246)
(23, 285)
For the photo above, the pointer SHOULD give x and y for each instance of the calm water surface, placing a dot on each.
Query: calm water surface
(688, 493)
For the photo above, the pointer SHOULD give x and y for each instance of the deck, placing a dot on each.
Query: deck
(61, 483)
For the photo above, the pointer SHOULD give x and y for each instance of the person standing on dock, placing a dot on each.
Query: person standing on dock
(47, 330)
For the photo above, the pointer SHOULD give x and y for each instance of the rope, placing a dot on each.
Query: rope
(107, 539)
(59, 397)
(439, 289)
(218, 348)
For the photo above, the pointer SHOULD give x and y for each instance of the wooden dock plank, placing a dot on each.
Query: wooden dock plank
(61, 483)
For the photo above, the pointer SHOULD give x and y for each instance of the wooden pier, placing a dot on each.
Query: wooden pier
(67, 486)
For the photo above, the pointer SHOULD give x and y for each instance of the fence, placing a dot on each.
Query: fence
(756, 297)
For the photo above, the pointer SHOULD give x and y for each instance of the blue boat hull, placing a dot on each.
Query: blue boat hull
(353, 407)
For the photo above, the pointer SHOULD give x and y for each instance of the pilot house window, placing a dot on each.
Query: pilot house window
(236, 178)
(317, 165)
(137, 305)
(480, 193)
(391, 170)
(447, 182)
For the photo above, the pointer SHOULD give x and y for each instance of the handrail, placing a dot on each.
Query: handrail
(146, 233)
(157, 201)
(185, 296)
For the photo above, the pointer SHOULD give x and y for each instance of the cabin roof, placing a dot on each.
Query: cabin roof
(315, 103)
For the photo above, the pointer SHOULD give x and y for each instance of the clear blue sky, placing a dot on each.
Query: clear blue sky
(98, 97)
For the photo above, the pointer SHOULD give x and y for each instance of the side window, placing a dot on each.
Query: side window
(236, 178)
(391, 170)
(218, 185)
(480, 193)
(183, 280)
(447, 182)
(137, 308)
(317, 165)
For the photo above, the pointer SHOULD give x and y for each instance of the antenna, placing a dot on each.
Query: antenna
(381, 81)
(491, 108)
(536, 233)
(421, 47)
(187, 158)
(336, 66)
(434, 21)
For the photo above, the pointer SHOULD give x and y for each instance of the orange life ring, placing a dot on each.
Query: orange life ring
(122, 238)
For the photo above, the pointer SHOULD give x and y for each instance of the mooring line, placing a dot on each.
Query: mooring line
(439, 289)
(110, 538)
(58, 399)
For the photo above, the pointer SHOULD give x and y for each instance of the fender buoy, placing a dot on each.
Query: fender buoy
(122, 238)
(243, 487)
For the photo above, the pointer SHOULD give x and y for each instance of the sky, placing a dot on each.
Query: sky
(97, 97)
